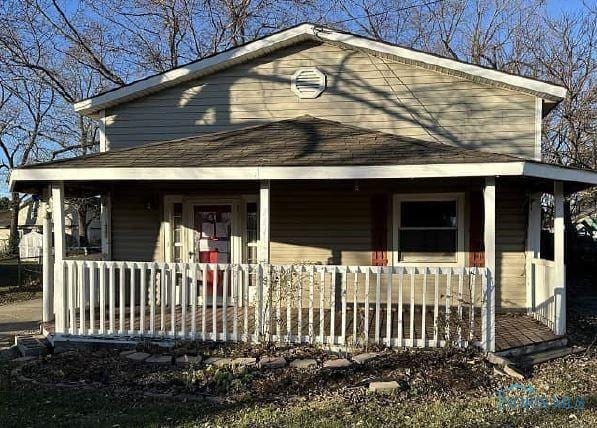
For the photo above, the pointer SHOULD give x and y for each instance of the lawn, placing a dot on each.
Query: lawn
(284, 398)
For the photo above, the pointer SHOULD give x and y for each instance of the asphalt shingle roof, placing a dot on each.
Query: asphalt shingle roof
(302, 141)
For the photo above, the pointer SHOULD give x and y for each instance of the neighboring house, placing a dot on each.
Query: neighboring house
(315, 186)
(31, 220)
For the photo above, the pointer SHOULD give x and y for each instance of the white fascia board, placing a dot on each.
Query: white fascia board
(170, 78)
(473, 70)
(305, 31)
(267, 172)
(522, 168)
(554, 172)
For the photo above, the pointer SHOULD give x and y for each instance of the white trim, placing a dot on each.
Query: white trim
(460, 247)
(553, 172)
(533, 244)
(103, 142)
(488, 326)
(247, 199)
(60, 295)
(168, 208)
(559, 254)
(293, 35)
(263, 250)
(538, 127)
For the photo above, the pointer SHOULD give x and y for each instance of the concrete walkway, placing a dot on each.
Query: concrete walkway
(19, 318)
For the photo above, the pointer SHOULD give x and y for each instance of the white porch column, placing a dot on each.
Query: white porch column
(488, 328)
(263, 257)
(559, 258)
(60, 295)
(47, 264)
(106, 225)
(533, 246)
(264, 222)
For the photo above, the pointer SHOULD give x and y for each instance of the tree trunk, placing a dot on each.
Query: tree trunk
(82, 230)
(13, 240)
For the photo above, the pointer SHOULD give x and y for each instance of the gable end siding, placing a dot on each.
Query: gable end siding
(362, 90)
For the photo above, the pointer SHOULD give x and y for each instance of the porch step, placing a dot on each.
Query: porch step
(549, 355)
(31, 346)
(522, 351)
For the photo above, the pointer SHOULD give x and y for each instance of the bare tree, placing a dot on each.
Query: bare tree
(24, 131)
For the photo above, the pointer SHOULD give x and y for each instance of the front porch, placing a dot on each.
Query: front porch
(339, 236)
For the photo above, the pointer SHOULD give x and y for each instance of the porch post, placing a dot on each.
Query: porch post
(47, 262)
(533, 246)
(488, 328)
(264, 221)
(559, 259)
(263, 294)
(60, 296)
(106, 225)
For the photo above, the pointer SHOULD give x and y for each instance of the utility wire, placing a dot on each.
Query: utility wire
(412, 6)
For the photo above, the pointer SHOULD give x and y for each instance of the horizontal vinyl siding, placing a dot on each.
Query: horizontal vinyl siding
(320, 227)
(365, 91)
(511, 220)
(135, 229)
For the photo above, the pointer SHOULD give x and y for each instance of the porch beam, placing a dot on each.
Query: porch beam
(559, 259)
(533, 245)
(60, 296)
(264, 221)
(488, 328)
(550, 172)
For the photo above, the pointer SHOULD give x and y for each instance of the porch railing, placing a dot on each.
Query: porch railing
(546, 305)
(320, 304)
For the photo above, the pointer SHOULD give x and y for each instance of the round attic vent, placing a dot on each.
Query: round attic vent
(308, 82)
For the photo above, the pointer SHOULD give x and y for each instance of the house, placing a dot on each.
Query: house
(314, 186)
(30, 223)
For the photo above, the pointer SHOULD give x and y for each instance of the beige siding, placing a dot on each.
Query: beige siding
(135, 228)
(362, 90)
(511, 221)
(320, 227)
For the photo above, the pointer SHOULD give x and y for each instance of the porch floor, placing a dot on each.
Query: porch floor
(512, 330)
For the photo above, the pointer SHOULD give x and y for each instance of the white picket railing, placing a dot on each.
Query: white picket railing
(328, 305)
(545, 306)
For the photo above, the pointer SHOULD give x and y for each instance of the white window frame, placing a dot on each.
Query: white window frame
(460, 220)
(246, 199)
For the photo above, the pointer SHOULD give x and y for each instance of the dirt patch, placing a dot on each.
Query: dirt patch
(16, 294)
(421, 373)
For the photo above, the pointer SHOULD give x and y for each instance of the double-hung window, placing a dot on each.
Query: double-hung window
(428, 229)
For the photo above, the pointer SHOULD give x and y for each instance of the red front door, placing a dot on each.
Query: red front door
(211, 239)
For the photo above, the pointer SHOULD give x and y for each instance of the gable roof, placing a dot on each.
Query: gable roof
(302, 141)
(304, 32)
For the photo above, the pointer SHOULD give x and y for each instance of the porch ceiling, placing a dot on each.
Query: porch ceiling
(299, 148)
